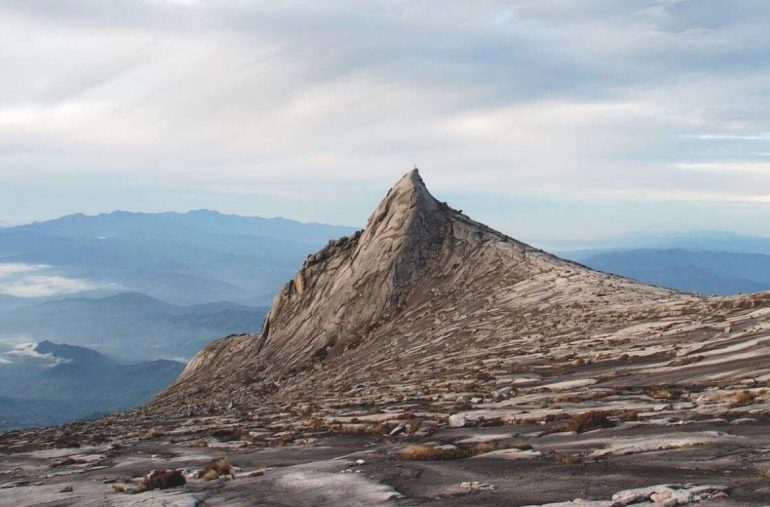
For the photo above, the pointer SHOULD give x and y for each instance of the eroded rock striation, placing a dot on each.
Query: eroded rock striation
(424, 295)
(420, 273)
(429, 359)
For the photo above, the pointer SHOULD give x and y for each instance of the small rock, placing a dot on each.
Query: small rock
(360, 462)
(457, 421)
(477, 486)
(398, 429)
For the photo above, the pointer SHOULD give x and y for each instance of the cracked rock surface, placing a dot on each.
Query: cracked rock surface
(430, 360)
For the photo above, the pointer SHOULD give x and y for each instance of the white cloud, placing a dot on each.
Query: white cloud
(9, 269)
(252, 107)
(746, 166)
(26, 281)
(27, 351)
(765, 136)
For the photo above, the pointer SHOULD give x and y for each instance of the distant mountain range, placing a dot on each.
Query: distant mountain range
(711, 241)
(135, 287)
(123, 287)
(706, 272)
(48, 383)
(130, 325)
(183, 258)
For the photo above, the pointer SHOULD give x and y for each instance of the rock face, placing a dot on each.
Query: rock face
(420, 272)
(343, 291)
(401, 346)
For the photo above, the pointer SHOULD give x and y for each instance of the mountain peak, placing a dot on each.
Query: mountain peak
(419, 274)
(325, 304)
(408, 196)
(410, 181)
(403, 221)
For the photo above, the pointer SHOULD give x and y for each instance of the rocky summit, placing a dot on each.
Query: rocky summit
(430, 360)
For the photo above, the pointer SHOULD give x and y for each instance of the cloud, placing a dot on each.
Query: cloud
(729, 166)
(10, 269)
(765, 136)
(26, 281)
(299, 108)
(27, 350)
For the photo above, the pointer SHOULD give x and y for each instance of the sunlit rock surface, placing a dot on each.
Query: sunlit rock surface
(463, 367)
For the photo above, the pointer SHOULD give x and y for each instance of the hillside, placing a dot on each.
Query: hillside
(47, 383)
(430, 360)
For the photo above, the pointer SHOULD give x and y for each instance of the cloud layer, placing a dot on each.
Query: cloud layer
(27, 351)
(310, 109)
(33, 280)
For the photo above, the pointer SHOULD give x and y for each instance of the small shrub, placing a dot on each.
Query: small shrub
(210, 475)
(66, 442)
(588, 421)
(418, 452)
(226, 435)
(153, 433)
(482, 448)
(662, 393)
(67, 462)
(162, 479)
(568, 398)
(629, 415)
(743, 398)
(567, 459)
(484, 376)
(494, 421)
(463, 405)
(216, 469)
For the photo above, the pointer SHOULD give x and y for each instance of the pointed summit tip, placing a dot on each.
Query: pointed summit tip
(411, 180)
(408, 196)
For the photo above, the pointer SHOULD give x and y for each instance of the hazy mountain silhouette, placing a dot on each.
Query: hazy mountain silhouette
(49, 383)
(131, 325)
(718, 273)
(184, 258)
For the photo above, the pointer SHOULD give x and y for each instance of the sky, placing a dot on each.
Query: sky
(547, 119)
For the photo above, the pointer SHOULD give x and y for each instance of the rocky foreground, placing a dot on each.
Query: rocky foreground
(431, 360)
